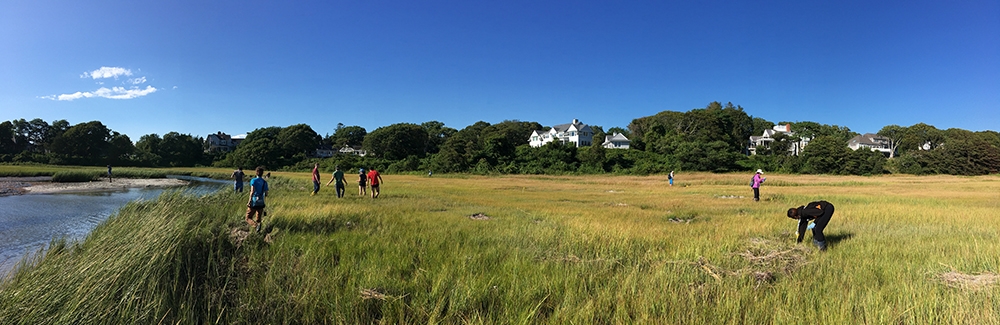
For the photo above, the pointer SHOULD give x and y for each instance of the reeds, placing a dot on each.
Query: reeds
(591, 249)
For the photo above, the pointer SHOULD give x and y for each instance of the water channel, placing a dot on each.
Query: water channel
(30, 222)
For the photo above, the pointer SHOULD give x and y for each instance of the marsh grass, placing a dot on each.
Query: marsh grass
(569, 249)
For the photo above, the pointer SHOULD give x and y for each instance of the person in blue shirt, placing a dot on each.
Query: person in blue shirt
(255, 206)
(238, 176)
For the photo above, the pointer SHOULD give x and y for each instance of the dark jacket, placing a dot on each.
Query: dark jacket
(821, 211)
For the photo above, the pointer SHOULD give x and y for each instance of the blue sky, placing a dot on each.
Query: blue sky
(199, 67)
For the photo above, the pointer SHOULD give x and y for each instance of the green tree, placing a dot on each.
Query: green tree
(825, 155)
(147, 150)
(965, 153)
(616, 129)
(7, 144)
(599, 134)
(919, 136)
(397, 141)
(593, 158)
(120, 149)
(760, 124)
(437, 134)
(894, 133)
(552, 158)
(260, 148)
(715, 156)
(84, 143)
(348, 136)
(864, 162)
(499, 142)
(298, 140)
(180, 150)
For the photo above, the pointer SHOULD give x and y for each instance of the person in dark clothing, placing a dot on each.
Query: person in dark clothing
(820, 211)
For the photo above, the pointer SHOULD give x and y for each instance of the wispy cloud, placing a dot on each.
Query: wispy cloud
(129, 90)
(107, 72)
(112, 93)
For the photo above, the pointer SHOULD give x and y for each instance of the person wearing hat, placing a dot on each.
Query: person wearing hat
(362, 182)
(758, 179)
(820, 211)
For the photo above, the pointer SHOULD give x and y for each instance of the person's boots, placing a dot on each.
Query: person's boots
(820, 244)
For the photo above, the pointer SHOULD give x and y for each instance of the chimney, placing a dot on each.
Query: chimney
(576, 121)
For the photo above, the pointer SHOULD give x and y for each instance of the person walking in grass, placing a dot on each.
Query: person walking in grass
(362, 182)
(670, 177)
(758, 179)
(315, 174)
(238, 176)
(375, 179)
(109, 175)
(820, 212)
(255, 206)
(338, 176)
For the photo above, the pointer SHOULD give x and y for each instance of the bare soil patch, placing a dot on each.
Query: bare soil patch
(975, 282)
(96, 186)
(479, 217)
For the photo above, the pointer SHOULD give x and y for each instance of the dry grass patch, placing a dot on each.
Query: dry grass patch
(975, 282)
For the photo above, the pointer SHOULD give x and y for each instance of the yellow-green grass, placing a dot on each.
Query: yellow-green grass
(556, 249)
(78, 173)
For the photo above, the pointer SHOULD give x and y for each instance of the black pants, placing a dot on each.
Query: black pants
(756, 194)
(821, 222)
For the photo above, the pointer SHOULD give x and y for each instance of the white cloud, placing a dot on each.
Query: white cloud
(113, 93)
(136, 81)
(175, 87)
(107, 72)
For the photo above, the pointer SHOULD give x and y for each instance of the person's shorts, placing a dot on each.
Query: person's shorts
(259, 211)
(375, 187)
(362, 184)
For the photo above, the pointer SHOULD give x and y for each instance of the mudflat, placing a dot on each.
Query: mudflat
(49, 188)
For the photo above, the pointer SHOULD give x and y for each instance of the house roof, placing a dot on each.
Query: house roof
(867, 139)
(616, 137)
(568, 126)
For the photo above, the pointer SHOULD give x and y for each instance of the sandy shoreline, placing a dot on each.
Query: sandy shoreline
(14, 188)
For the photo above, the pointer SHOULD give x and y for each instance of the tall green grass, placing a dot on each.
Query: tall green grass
(90, 175)
(593, 250)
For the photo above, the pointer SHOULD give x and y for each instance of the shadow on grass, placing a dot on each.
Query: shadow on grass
(834, 239)
(319, 225)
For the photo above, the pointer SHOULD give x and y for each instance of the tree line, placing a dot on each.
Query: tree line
(714, 138)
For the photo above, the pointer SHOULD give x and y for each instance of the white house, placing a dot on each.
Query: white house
(220, 142)
(871, 141)
(764, 140)
(577, 133)
(356, 150)
(616, 141)
(324, 151)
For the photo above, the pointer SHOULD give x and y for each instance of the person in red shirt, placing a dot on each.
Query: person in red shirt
(374, 180)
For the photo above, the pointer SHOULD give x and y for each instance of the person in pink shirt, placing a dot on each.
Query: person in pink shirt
(758, 179)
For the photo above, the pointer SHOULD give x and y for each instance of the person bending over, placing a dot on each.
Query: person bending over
(820, 211)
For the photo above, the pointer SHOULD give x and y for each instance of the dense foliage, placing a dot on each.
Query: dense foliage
(714, 138)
